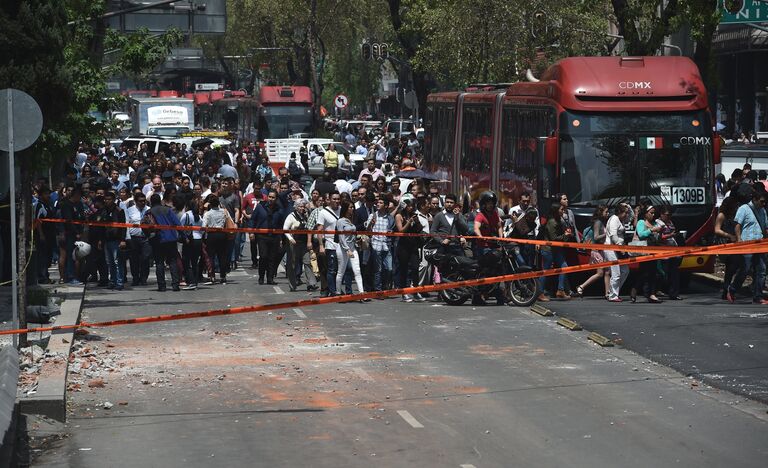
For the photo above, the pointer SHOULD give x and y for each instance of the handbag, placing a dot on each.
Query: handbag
(229, 224)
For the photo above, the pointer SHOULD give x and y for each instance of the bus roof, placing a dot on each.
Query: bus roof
(276, 95)
(620, 83)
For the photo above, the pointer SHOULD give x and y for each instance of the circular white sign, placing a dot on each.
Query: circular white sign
(341, 101)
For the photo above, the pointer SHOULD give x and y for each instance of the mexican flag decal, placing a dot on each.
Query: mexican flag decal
(651, 143)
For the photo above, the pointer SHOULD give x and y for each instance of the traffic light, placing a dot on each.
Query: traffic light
(375, 50)
(733, 6)
(383, 51)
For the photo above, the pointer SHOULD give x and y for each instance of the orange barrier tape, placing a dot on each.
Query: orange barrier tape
(763, 247)
(544, 243)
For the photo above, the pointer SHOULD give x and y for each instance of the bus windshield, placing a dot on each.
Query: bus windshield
(284, 121)
(666, 157)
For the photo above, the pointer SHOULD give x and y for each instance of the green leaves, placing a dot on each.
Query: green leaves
(140, 52)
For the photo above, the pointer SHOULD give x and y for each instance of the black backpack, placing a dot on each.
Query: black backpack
(293, 168)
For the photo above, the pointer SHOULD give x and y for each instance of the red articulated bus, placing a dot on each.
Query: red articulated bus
(285, 111)
(236, 113)
(602, 130)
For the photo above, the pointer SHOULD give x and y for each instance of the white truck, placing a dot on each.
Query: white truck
(280, 149)
(168, 117)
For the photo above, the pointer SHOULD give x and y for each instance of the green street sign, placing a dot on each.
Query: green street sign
(751, 11)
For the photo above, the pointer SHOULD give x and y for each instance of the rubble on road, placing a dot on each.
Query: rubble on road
(31, 360)
(90, 364)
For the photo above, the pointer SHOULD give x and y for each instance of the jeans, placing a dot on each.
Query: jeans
(140, 254)
(190, 255)
(344, 260)
(298, 260)
(218, 248)
(383, 267)
(553, 256)
(646, 278)
(750, 260)
(269, 251)
(111, 257)
(165, 252)
(332, 267)
(408, 255)
(619, 274)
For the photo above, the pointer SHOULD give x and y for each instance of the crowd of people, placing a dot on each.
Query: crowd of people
(227, 188)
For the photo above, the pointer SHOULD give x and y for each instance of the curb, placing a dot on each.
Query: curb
(51, 397)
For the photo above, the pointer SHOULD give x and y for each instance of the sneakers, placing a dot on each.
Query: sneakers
(176, 288)
(190, 287)
(615, 299)
(75, 282)
(407, 298)
(418, 298)
(210, 282)
(543, 298)
(312, 288)
(223, 281)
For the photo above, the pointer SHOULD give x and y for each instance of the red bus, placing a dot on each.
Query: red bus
(600, 129)
(285, 111)
(235, 113)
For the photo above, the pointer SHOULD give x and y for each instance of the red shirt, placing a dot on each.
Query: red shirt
(489, 226)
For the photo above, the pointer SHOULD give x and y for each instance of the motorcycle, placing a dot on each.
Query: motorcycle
(498, 262)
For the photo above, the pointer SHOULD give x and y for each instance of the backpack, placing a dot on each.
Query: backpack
(149, 218)
(293, 168)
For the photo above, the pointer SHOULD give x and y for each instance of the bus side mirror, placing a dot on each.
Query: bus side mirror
(717, 147)
(550, 150)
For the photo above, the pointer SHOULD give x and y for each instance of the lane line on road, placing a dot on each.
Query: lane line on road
(410, 419)
(278, 290)
(300, 313)
(466, 466)
(363, 374)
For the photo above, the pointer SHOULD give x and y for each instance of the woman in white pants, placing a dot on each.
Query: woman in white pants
(614, 235)
(345, 248)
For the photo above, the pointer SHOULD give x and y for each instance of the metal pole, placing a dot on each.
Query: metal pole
(14, 256)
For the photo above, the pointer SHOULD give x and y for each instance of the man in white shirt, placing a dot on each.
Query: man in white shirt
(326, 221)
(138, 244)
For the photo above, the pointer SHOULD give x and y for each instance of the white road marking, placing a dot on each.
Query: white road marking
(278, 290)
(466, 466)
(410, 419)
(300, 313)
(363, 374)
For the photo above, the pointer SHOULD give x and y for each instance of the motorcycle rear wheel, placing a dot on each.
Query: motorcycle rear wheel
(454, 296)
(523, 293)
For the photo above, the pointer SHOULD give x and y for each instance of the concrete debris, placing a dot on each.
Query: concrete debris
(108, 405)
(96, 383)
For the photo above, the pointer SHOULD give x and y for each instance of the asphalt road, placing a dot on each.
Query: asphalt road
(725, 345)
(384, 383)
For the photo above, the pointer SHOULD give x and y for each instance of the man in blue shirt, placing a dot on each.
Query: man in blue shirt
(751, 223)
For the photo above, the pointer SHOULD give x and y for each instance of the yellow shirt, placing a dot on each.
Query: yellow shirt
(331, 159)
